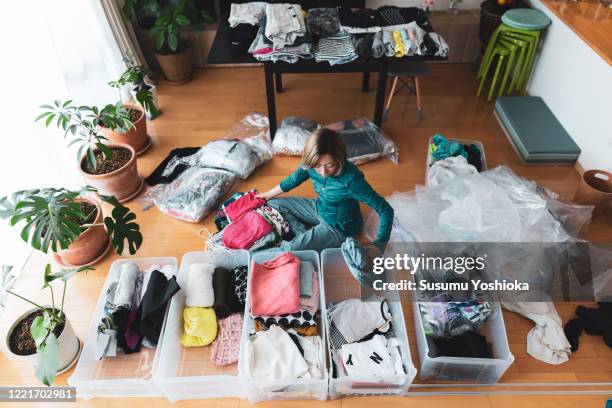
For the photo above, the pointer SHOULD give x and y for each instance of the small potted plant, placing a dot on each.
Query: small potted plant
(111, 168)
(142, 90)
(44, 332)
(171, 51)
(71, 224)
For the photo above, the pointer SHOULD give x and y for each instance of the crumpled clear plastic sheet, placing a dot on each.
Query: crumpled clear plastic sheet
(254, 130)
(443, 171)
(365, 141)
(193, 194)
(292, 134)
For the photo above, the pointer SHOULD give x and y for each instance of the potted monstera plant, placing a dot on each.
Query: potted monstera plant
(71, 224)
(112, 167)
(167, 18)
(43, 333)
(136, 77)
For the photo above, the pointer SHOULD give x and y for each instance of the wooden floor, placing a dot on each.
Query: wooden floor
(204, 109)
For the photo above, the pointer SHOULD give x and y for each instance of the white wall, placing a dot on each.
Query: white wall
(576, 84)
(440, 4)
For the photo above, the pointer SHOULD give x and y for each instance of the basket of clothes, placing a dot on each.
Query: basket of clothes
(369, 355)
(283, 345)
(201, 344)
(123, 343)
(336, 35)
(449, 158)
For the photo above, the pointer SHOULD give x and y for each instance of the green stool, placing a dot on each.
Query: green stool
(519, 31)
(503, 53)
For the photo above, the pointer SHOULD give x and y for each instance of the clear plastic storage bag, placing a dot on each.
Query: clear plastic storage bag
(365, 141)
(254, 130)
(193, 194)
(291, 136)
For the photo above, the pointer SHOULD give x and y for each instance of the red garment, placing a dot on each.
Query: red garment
(275, 286)
(243, 233)
(247, 202)
(263, 51)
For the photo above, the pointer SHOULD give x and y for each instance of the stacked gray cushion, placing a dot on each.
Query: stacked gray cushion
(535, 132)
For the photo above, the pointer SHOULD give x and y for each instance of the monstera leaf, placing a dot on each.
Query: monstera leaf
(121, 228)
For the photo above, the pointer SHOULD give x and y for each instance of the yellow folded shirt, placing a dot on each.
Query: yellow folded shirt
(400, 49)
(200, 326)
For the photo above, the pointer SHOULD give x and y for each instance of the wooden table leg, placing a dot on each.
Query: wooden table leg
(268, 74)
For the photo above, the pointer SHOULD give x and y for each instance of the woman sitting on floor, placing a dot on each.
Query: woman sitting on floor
(325, 222)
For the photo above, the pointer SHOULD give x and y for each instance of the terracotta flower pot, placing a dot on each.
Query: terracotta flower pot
(123, 183)
(69, 344)
(595, 188)
(89, 247)
(136, 137)
(178, 68)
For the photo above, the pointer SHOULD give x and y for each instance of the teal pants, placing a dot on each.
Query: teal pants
(310, 231)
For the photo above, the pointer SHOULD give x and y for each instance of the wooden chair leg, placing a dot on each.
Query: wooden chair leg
(417, 89)
(386, 113)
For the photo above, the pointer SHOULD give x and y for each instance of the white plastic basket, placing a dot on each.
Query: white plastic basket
(341, 285)
(293, 389)
(126, 375)
(475, 370)
(187, 372)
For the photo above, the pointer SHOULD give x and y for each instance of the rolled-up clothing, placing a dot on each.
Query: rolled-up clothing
(226, 301)
(199, 290)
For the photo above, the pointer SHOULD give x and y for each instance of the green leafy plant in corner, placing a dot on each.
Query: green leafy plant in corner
(134, 76)
(52, 219)
(42, 328)
(82, 125)
(170, 17)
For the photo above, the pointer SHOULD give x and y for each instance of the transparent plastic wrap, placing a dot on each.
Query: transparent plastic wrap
(230, 155)
(193, 194)
(254, 130)
(292, 134)
(365, 141)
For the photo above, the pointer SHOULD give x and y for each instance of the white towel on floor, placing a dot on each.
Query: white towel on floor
(128, 272)
(199, 290)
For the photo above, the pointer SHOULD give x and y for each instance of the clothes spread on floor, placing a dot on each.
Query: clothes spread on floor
(134, 309)
(292, 134)
(365, 346)
(275, 286)
(337, 35)
(364, 141)
(595, 321)
(281, 325)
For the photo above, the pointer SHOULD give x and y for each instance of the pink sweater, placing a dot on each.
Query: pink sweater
(275, 286)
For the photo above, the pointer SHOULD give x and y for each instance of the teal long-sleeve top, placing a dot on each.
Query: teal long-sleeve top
(339, 196)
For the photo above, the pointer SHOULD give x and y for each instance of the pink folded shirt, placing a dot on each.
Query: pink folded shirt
(275, 286)
(244, 204)
(243, 233)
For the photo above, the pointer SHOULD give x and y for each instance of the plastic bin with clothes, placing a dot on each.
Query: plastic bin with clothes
(365, 141)
(340, 285)
(478, 370)
(188, 372)
(456, 166)
(310, 386)
(125, 375)
(192, 195)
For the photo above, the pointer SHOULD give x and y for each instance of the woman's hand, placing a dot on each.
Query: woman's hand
(270, 193)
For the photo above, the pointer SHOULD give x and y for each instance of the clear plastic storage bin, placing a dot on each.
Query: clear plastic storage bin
(341, 285)
(464, 369)
(187, 372)
(296, 388)
(126, 375)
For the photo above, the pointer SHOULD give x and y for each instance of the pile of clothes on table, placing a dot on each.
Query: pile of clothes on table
(134, 309)
(245, 221)
(284, 306)
(192, 181)
(449, 159)
(362, 339)
(337, 35)
(214, 303)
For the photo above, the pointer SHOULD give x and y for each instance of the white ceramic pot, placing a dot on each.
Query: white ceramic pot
(69, 344)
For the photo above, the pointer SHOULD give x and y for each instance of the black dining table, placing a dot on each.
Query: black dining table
(224, 52)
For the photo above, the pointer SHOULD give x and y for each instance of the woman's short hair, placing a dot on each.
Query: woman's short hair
(324, 141)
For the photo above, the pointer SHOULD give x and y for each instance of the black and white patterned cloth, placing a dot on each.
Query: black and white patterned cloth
(240, 276)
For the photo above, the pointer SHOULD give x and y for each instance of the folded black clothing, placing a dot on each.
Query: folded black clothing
(242, 35)
(172, 166)
(323, 22)
(359, 18)
(224, 287)
(430, 45)
(152, 309)
(392, 15)
(469, 344)
(364, 46)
